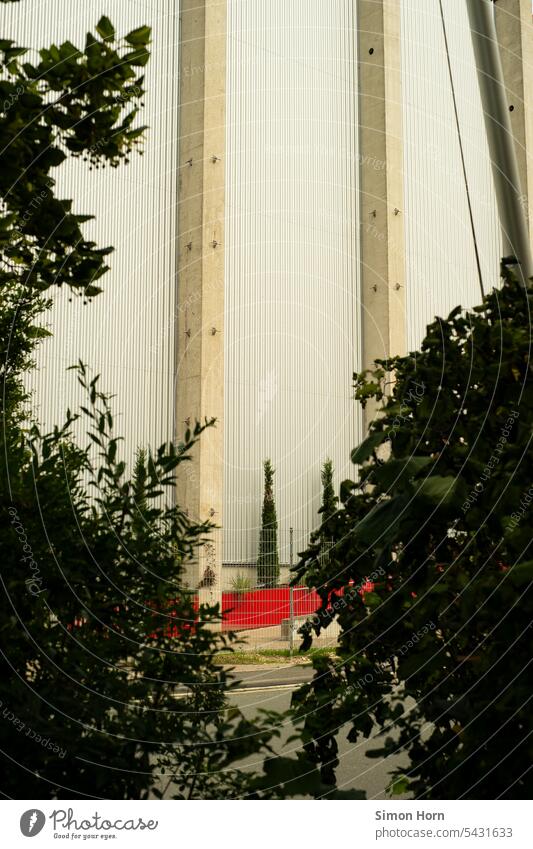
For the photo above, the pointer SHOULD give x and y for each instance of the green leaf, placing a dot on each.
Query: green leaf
(105, 28)
(137, 57)
(399, 786)
(372, 600)
(135, 134)
(139, 36)
(521, 573)
(393, 472)
(381, 522)
(364, 451)
(437, 489)
(38, 332)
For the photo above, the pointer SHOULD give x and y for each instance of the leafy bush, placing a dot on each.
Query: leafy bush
(438, 656)
(97, 630)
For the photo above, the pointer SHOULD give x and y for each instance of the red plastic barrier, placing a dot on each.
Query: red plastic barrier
(262, 608)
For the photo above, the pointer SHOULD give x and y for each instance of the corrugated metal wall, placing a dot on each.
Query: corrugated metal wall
(292, 287)
(292, 319)
(292, 314)
(126, 333)
(441, 267)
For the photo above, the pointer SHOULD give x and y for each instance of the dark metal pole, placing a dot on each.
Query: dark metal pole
(500, 136)
(291, 592)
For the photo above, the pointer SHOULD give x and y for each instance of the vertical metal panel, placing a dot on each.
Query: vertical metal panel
(292, 314)
(441, 269)
(126, 333)
(292, 324)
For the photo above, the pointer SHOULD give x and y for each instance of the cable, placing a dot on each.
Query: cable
(465, 175)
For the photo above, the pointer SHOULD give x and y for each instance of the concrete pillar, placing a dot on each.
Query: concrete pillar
(200, 320)
(382, 244)
(514, 26)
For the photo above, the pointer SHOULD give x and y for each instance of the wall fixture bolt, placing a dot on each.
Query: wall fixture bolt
(189, 163)
(396, 210)
(187, 421)
(375, 288)
(212, 512)
(189, 246)
(213, 331)
(188, 333)
(214, 243)
(215, 158)
(373, 213)
(397, 286)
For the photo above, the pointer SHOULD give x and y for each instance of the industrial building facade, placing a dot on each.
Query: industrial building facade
(300, 209)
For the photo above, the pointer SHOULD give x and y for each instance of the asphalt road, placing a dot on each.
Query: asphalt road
(271, 689)
(264, 676)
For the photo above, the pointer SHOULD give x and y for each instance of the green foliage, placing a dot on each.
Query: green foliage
(436, 657)
(109, 687)
(78, 101)
(240, 584)
(98, 633)
(329, 499)
(268, 560)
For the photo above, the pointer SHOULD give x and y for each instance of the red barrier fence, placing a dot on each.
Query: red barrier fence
(262, 608)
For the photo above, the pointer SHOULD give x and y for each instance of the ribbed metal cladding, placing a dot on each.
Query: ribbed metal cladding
(441, 267)
(292, 311)
(291, 302)
(127, 332)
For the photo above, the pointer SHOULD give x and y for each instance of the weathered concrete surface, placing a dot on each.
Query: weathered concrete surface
(200, 336)
(381, 188)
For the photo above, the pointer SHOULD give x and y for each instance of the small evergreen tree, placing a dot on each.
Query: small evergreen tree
(329, 499)
(268, 560)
